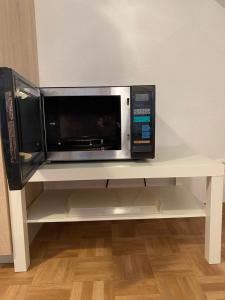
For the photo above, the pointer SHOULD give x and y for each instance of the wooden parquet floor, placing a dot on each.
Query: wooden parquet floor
(121, 260)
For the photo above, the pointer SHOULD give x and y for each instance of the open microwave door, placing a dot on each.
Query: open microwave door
(22, 130)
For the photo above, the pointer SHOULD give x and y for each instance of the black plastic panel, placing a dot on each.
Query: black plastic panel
(143, 121)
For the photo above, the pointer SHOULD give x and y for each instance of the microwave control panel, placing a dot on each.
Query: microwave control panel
(143, 121)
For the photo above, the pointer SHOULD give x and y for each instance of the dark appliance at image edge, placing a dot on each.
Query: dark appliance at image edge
(72, 124)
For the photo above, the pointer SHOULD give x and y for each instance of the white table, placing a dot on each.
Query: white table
(177, 201)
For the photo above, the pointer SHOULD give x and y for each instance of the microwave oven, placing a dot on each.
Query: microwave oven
(62, 124)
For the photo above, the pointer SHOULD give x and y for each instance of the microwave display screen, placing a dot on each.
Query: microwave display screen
(142, 97)
(83, 123)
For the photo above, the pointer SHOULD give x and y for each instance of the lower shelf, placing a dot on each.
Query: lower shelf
(175, 202)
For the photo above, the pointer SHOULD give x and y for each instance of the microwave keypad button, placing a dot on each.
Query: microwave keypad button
(145, 128)
(141, 119)
(146, 111)
(142, 132)
(141, 111)
(145, 132)
(145, 135)
(137, 129)
(136, 142)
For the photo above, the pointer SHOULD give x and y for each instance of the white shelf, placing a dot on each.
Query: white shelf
(176, 202)
(169, 162)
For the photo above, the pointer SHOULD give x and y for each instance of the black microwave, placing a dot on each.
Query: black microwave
(72, 124)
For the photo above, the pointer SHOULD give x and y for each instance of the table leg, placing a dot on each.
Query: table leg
(213, 225)
(21, 254)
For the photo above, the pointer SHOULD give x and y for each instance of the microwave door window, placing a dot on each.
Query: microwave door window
(84, 123)
(29, 131)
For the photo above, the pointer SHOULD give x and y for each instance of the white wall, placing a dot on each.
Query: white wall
(178, 45)
(222, 2)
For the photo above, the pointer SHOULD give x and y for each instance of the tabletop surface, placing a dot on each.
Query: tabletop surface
(169, 162)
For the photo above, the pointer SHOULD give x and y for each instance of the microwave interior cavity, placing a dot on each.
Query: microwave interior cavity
(83, 123)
